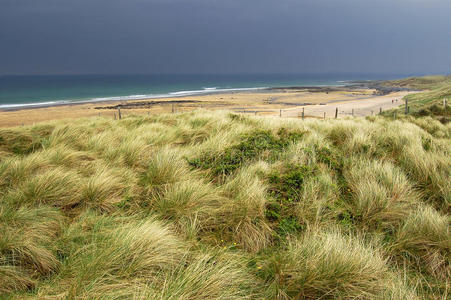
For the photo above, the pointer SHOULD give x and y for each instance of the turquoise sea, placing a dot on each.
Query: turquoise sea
(28, 91)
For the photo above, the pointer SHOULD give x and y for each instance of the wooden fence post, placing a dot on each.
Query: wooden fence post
(324, 116)
(407, 107)
(280, 113)
(302, 113)
(336, 113)
(119, 112)
(380, 110)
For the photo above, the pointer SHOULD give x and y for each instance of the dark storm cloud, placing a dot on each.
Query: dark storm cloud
(228, 36)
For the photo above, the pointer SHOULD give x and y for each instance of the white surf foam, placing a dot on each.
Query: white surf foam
(207, 90)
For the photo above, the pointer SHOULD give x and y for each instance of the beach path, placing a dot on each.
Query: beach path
(362, 107)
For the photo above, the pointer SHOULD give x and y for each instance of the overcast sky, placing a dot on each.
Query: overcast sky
(224, 36)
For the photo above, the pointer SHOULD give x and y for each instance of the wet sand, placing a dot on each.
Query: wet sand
(262, 102)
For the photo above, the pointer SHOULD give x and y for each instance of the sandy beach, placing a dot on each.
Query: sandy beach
(288, 102)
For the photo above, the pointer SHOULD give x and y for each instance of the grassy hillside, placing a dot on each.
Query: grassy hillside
(429, 102)
(213, 205)
(421, 83)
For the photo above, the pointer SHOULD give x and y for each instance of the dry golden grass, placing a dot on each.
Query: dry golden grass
(327, 265)
(136, 208)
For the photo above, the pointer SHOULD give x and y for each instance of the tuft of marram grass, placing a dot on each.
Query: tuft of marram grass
(164, 167)
(431, 171)
(119, 259)
(13, 279)
(425, 237)
(208, 276)
(244, 213)
(319, 194)
(192, 205)
(14, 171)
(433, 127)
(397, 288)
(26, 245)
(106, 188)
(56, 187)
(381, 195)
(326, 265)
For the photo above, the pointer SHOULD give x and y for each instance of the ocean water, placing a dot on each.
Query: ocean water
(23, 91)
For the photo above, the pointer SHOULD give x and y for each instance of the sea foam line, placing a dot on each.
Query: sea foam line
(212, 90)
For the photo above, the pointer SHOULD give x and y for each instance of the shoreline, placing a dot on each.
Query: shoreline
(181, 94)
(178, 94)
(275, 101)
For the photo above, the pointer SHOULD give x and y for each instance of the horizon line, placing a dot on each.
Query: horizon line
(232, 74)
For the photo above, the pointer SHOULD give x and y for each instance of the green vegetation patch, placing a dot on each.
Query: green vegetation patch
(329, 157)
(285, 191)
(255, 144)
(286, 185)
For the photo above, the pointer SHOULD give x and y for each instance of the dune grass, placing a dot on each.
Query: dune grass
(214, 205)
(326, 264)
(429, 102)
